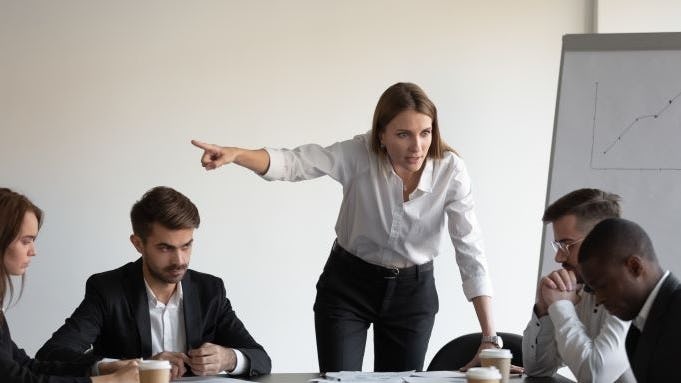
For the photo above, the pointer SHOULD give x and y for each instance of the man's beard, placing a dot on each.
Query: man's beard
(164, 275)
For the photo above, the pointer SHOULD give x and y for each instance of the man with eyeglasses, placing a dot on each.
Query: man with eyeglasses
(567, 326)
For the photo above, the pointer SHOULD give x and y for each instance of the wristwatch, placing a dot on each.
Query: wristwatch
(494, 339)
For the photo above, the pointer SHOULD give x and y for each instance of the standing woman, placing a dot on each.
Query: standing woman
(20, 221)
(400, 181)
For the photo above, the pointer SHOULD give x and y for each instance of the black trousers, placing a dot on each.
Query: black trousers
(352, 294)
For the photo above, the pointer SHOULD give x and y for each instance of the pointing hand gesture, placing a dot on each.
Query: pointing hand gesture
(215, 156)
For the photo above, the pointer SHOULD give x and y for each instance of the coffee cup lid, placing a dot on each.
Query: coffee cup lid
(496, 353)
(154, 365)
(483, 373)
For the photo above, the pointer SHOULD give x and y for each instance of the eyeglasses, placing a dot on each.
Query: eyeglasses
(564, 246)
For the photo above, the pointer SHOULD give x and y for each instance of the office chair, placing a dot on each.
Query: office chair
(461, 350)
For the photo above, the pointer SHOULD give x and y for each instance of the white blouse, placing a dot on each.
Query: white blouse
(375, 223)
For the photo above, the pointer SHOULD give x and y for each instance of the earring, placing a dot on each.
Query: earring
(382, 145)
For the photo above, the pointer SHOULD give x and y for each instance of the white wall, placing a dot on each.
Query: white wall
(99, 99)
(625, 16)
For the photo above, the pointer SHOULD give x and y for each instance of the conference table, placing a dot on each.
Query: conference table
(304, 377)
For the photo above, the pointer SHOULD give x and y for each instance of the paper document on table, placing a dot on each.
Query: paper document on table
(439, 374)
(211, 379)
(424, 379)
(359, 376)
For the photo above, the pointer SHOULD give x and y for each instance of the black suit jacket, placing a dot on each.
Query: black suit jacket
(654, 356)
(113, 320)
(17, 367)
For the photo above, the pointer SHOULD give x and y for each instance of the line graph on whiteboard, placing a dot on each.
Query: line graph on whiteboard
(636, 131)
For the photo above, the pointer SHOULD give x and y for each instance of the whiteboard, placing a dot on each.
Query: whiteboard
(617, 127)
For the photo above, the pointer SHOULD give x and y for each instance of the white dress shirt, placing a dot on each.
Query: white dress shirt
(375, 223)
(640, 320)
(585, 337)
(167, 322)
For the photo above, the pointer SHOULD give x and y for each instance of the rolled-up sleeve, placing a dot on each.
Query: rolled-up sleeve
(277, 167)
(339, 161)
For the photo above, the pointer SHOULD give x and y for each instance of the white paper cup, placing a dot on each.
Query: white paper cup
(499, 358)
(154, 371)
(483, 375)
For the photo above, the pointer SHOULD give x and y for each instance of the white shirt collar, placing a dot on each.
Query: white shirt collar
(640, 320)
(425, 181)
(175, 299)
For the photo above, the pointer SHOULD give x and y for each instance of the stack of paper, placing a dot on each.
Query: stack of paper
(392, 377)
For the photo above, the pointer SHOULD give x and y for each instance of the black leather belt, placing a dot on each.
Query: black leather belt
(359, 265)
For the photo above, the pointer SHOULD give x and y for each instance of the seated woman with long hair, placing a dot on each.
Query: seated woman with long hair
(20, 221)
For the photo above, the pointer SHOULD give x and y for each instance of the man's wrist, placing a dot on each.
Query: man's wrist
(230, 363)
(540, 309)
(242, 364)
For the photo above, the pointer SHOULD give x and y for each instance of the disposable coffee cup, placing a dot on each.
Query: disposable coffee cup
(499, 358)
(154, 371)
(483, 375)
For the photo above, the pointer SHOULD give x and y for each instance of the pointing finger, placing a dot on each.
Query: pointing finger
(202, 145)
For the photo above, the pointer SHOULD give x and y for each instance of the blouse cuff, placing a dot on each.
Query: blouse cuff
(277, 168)
(477, 286)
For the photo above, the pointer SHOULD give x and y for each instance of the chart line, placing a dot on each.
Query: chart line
(636, 120)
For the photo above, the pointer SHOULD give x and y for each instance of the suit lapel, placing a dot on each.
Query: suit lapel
(139, 306)
(192, 313)
(645, 350)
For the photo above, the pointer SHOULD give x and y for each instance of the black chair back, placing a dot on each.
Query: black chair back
(461, 350)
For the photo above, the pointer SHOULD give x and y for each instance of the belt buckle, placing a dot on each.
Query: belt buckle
(395, 273)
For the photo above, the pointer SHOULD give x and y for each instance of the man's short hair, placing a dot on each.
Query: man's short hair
(616, 239)
(165, 206)
(590, 206)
